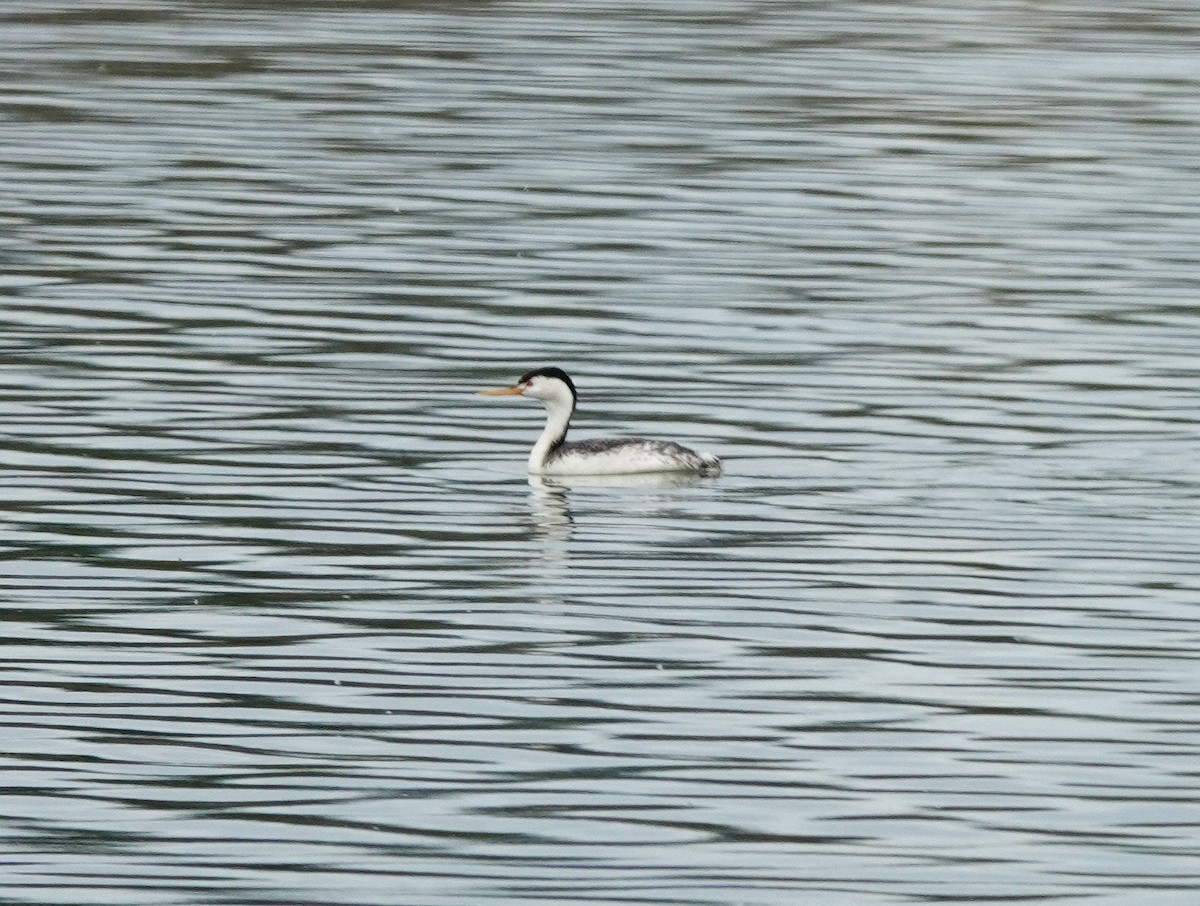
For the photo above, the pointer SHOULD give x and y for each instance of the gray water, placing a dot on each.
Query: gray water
(285, 622)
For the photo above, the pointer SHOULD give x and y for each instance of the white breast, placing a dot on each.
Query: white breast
(627, 456)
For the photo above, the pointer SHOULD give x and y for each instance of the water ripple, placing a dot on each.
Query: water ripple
(285, 621)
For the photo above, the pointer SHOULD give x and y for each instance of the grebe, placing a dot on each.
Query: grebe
(552, 455)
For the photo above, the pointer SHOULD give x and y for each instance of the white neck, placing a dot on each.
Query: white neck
(558, 415)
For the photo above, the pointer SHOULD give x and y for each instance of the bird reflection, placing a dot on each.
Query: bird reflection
(552, 502)
(554, 524)
(551, 509)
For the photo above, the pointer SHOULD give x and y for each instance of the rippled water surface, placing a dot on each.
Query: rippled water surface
(285, 622)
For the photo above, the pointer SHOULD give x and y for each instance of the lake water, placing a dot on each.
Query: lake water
(285, 622)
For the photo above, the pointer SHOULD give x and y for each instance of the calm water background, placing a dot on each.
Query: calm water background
(286, 623)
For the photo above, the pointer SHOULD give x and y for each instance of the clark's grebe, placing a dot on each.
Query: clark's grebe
(552, 455)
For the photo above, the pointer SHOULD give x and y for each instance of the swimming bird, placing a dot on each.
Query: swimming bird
(552, 455)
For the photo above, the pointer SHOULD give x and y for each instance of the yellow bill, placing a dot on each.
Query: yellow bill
(504, 391)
